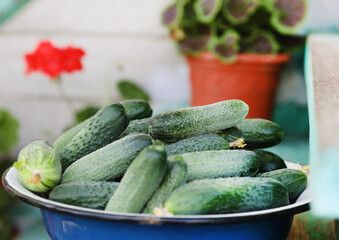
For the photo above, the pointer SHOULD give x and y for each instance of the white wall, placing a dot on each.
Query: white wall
(113, 33)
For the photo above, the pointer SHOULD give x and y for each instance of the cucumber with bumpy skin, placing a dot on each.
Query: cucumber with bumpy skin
(84, 194)
(104, 127)
(174, 125)
(137, 109)
(39, 167)
(66, 137)
(140, 181)
(109, 162)
(221, 163)
(294, 180)
(269, 161)
(137, 126)
(227, 195)
(260, 133)
(197, 144)
(176, 175)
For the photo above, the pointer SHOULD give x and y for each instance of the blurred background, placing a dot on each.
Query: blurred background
(122, 40)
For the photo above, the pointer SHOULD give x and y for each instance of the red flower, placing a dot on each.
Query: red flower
(53, 61)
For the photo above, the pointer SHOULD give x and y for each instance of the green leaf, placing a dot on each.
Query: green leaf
(238, 11)
(261, 42)
(9, 127)
(287, 15)
(226, 47)
(129, 90)
(207, 10)
(172, 15)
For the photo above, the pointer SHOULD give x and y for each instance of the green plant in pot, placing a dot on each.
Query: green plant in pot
(235, 48)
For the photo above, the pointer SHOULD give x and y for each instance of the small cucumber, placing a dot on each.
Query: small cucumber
(84, 194)
(227, 195)
(221, 163)
(65, 138)
(294, 180)
(174, 125)
(176, 175)
(39, 167)
(260, 133)
(269, 161)
(137, 109)
(140, 181)
(138, 125)
(104, 127)
(109, 162)
(197, 144)
(230, 134)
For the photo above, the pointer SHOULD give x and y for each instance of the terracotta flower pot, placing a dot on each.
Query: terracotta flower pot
(253, 78)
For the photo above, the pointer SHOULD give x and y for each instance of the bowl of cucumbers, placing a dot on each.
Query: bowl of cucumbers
(191, 173)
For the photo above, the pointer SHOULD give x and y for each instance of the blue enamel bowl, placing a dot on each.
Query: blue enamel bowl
(68, 222)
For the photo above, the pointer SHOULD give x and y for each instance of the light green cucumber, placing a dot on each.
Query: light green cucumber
(84, 194)
(269, 161)
(294, 180)
(137, 109)
(227, 195)
(138, 125)
(104, 127)
(140, 181)
(260, 133)
(39, 167)
(174, 125)
(197, 144)
(176, 175)
(109, 162)
(221, 163)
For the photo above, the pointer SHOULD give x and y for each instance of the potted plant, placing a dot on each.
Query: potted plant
(235, 48)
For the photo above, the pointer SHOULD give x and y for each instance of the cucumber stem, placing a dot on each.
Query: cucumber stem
(36, 177)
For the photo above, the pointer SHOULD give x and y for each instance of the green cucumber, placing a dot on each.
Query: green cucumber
(109, 162)
(294, 180)
(138, 125)
(84, 194)
(104, 127)
(197, 144)
(65, 138)
(176, 175)
(137, 109)
(260, 133)
(39, 167)
(140, 181)
(269, 161)
(230, 134)
(227, 195)
(174, 125)
(221, 163)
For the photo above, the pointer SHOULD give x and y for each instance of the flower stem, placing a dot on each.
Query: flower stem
(64, 96)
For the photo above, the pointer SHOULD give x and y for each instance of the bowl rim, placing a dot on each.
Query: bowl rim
(49, 205)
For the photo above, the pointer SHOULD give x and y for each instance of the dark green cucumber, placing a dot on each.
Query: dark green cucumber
(65, 138)
(197, 144)
(174, 125)
(227, 195)
(104, 127)
(230, 134)
(221, 163)
(140, 181)
(294, 180)
(137, 109)
(84, 194)
(109, 162)
(269, 161)
(138, 125)
(176, 175)
(260, 133)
